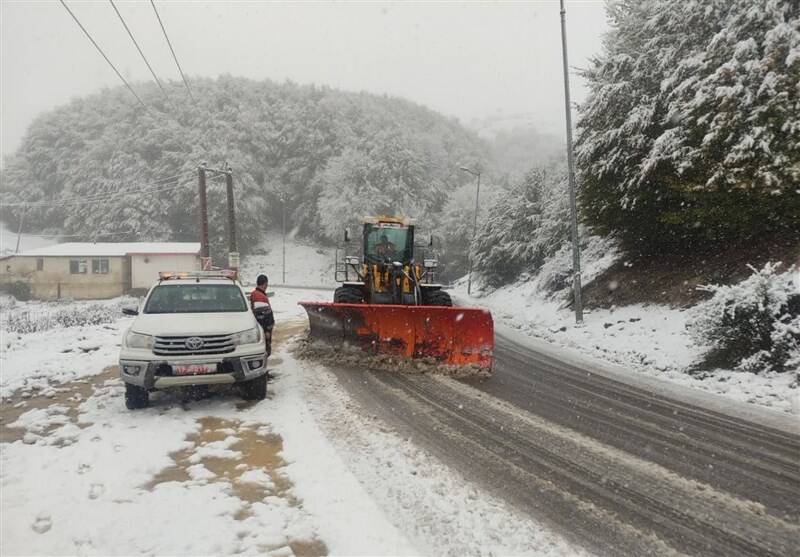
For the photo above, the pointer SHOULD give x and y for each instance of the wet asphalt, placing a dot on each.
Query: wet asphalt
(617, 469)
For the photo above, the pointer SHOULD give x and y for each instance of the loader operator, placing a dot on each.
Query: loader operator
(264, 317)
(385, 248)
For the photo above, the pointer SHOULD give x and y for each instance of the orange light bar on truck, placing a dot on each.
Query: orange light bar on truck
(174, 275)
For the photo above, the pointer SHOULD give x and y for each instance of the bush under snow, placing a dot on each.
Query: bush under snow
(753, 325)
(27, 320)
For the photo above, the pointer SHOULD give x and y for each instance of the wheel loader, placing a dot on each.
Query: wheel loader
(390, 302)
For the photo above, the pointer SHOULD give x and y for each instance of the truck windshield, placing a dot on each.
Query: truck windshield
(384, 244)
(195, 298)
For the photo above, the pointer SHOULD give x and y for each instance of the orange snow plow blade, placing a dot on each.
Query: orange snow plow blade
(457, 336)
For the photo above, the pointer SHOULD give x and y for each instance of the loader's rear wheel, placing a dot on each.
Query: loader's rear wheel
(437, 298)
(348, 295)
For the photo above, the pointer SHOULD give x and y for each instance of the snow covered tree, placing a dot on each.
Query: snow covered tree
(691, 132)
(453, 226)
(524, 227)
(754, 325)
(100, 168)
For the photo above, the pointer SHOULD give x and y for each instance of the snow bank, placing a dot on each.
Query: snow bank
(646, 339)
(38, 361)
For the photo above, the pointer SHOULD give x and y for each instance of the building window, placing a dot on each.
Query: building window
(40, 263)
(100, 266)
(77, 266)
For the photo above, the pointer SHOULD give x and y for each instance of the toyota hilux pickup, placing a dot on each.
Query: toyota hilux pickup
(193, 329)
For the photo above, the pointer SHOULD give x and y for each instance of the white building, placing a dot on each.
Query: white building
(96, 270)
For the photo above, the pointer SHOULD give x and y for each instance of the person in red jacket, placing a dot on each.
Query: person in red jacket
(264, 317)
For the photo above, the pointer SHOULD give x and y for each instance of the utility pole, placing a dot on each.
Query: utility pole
(233, 253)
(477, 174)
(19, 230)
(576, 252)
(201, 193)
(283, 229)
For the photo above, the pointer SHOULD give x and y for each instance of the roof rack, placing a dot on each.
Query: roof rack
(219, 274)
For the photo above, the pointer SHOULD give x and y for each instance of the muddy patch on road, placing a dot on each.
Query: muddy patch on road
(61, 403)
(243, 455)
(228, 449)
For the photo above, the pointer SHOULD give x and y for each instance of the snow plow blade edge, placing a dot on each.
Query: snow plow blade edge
(458, 336)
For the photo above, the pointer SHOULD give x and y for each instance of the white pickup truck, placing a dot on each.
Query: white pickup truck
(193, 329)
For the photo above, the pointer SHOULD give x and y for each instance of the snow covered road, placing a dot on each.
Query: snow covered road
(307, 472)
(550, 456)
(615, 467)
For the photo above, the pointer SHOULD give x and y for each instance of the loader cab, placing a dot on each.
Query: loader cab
(388, 241)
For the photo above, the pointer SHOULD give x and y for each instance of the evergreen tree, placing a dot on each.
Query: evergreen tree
(691, 133)
(525, 227)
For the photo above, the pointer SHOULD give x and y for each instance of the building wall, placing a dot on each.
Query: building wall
(55, 280)
(145, 268)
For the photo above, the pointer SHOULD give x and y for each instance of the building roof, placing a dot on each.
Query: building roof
(114, 249)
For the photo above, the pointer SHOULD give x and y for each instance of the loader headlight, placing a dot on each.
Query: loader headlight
(138, 340)
(430, 263)
(352, 260)
(250, 336)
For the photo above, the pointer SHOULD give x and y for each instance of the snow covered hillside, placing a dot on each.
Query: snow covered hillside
(306, 263)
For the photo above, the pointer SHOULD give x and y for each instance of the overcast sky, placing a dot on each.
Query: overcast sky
(470, 60)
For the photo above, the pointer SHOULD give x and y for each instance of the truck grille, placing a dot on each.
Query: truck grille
(193, 345)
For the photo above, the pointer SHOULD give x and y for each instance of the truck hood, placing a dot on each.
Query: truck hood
(189, 324)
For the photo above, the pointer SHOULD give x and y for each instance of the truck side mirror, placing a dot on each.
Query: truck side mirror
(130, 310)
(430, 241)
(346, 234)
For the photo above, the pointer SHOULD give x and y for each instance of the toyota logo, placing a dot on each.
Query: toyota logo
(194, 343)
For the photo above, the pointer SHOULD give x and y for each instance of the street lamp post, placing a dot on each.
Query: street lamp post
(576, 253)
(477, 174)
(283, 231)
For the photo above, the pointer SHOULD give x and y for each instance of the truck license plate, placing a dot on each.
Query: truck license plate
(194, 369)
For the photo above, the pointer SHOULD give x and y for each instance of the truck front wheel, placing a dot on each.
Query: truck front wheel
(255, 389)
(135, 397)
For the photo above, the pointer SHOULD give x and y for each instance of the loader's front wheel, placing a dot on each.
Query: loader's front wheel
(437, 298)
(348, 295)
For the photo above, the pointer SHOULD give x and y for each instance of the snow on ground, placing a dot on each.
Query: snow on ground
(648, 339)
(302, 472)
(306, 263)
(35, 361)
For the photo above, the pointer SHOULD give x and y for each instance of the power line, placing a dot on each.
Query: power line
(119, 233)
(172, 50)
(202, 140)
(104, 195)
(136, 44)
(91, 201)
(103, 54)
(96, 198)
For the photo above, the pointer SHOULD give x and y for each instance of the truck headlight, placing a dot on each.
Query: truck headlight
(250, 336)
(138, 340)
